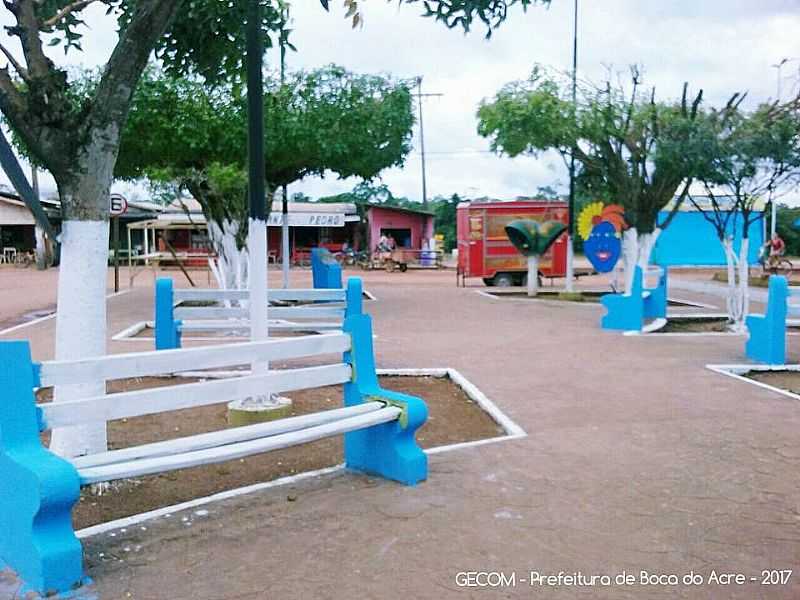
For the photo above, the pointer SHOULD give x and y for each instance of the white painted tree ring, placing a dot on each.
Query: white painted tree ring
(249, 411)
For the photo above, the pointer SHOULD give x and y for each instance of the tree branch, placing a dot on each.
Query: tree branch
(23, 72)
(64, 12)
(14, 107)
(129, 59)
(684, 193)
(28, 32)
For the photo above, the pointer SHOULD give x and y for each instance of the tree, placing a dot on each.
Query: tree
(752, 158)
(183, 132)
(547, 192)
(77, 141)
(787, 217)
(76, 137)
(445, 210)
(631, 148)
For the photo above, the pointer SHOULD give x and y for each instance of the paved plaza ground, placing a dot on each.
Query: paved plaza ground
(637, 459)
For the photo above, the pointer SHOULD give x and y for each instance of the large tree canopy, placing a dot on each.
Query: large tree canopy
(315, 122)
(631, 148)
(192, 136)
(636, 151)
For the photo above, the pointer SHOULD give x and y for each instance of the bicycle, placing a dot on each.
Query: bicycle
(776, 264)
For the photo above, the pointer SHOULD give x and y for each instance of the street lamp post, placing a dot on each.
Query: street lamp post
(774, 209)
(570, 275)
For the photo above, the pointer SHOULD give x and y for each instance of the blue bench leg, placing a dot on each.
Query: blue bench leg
(389, 449)
(37, 488)
(168, 330)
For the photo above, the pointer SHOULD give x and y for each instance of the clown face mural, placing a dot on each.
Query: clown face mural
(601, 227)
(603, 248)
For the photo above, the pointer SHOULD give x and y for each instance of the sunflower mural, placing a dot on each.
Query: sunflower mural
(601, 228)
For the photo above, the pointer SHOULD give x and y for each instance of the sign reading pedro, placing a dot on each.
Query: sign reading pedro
(532, 239)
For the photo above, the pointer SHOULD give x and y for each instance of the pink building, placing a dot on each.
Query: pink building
(410, 228)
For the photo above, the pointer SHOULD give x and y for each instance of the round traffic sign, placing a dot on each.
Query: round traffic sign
(118, 205)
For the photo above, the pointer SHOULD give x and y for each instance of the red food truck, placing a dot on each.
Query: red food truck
(485, 251)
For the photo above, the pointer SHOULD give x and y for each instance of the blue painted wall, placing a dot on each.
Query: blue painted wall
(690, 240)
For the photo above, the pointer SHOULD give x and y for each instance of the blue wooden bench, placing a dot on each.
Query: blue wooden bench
(38, 489)
(628, 312)
(325, 271)
(655, 299)
(326, 310)
(767, 333)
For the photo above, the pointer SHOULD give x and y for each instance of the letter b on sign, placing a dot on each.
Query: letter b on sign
(118, 205)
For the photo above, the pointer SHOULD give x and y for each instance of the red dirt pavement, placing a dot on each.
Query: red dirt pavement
(637, 459)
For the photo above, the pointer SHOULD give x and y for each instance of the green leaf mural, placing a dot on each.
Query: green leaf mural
(534, 238)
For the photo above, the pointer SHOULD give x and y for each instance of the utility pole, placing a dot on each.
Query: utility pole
(285, 253)
(419, 95)
(570, 274)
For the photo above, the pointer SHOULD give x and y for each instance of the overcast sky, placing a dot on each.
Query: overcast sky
(721, 46)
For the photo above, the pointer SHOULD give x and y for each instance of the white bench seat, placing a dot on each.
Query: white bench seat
(226, 452)
(222, 438)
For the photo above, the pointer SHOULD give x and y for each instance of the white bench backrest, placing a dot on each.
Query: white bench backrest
(162, 399)
(274, 312)
(142, 364)
(296, 295)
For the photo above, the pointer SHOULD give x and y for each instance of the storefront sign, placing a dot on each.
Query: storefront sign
(307, 219)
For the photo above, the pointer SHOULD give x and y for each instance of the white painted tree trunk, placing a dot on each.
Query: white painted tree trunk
(81, 325)
(647, 241)
(230, 267)
(732, 300)
(636, 251)
(533, 275)
(744, 285)
(630, 252)
(744, 278)
(41, 249)
(737, 302)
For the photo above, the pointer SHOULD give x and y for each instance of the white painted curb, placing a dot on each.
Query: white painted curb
(686, 317)
(737, 371)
